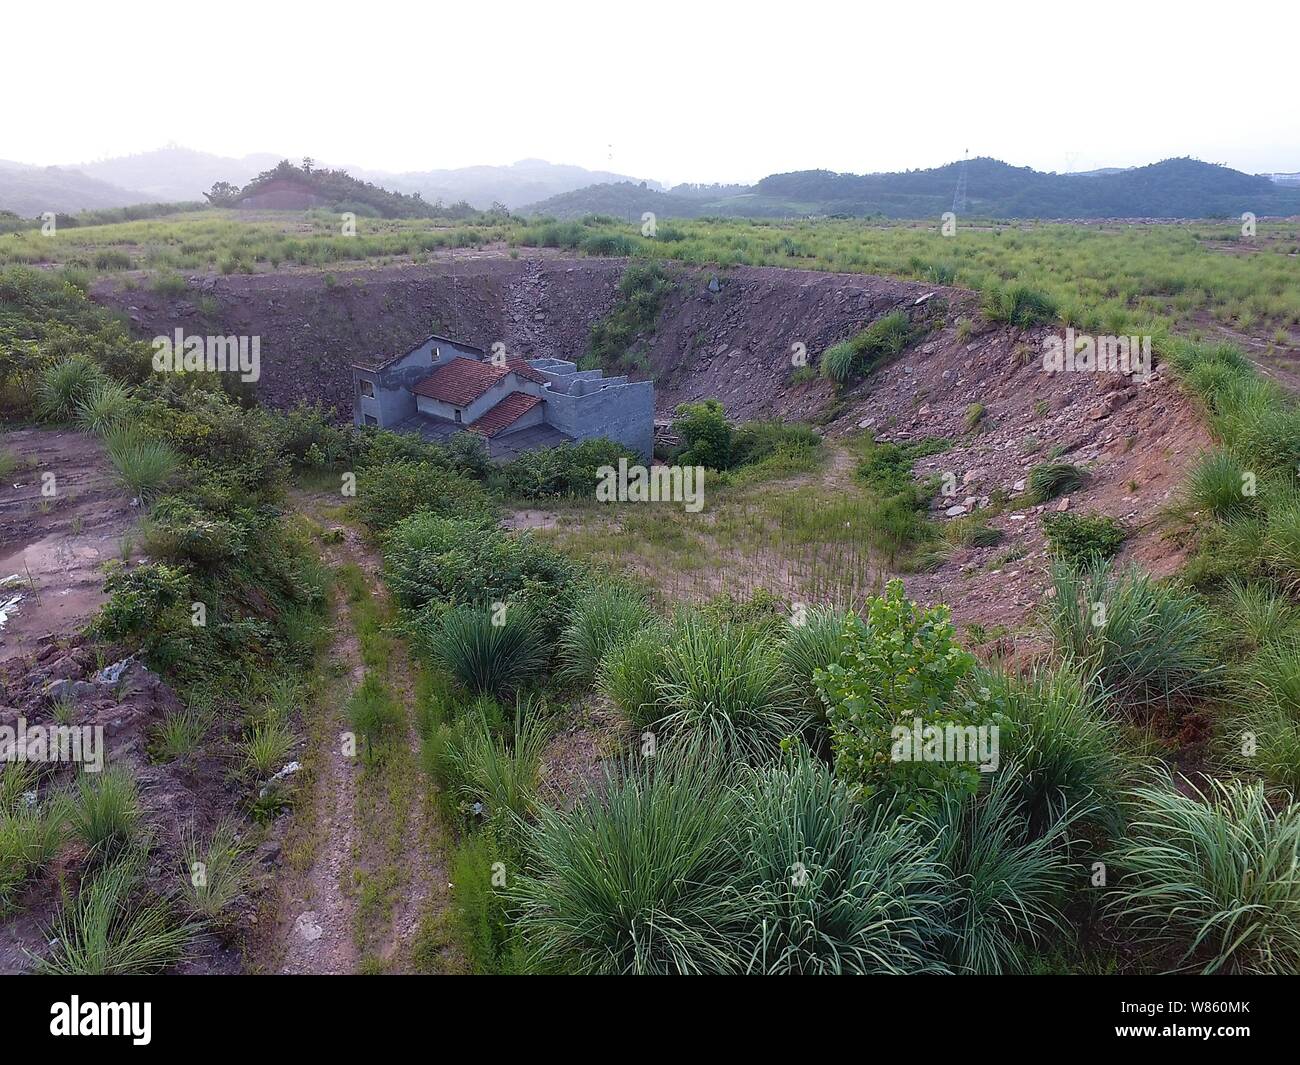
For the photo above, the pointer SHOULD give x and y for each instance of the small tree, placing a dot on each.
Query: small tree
(705, 433)
(898, 664)
(222, 194)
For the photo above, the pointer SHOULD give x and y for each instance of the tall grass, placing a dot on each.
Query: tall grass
(638, 877)
(488, 657)
(828, 888)
(114, 927)
(106, 810)
(65, 385)
(606, 616)
(1209, 880)
(1145, 643)
(145, 465)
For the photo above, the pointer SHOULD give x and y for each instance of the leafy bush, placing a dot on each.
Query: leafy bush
(1147, 644)
(706, 435)
(567, 471)
(1211, 878)
(1082, 539)
(607, 615)
(389, 493)
(435, 560)
(898, 664)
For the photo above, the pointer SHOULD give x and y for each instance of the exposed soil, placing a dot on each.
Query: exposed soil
(56, 544)
(350, 814)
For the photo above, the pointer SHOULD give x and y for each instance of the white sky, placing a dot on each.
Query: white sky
(702, 91)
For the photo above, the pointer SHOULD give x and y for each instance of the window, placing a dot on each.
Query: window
(368, 388)
(437, 353)
(457, 414)
(369, 419)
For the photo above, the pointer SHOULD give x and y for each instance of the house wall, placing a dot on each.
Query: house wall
(623, 412)
(489, 399)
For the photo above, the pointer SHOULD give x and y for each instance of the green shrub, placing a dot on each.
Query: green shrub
(1211, 878)
(1048, 480)
(1147, 644)
(971, 531)
(389, 493)
(1083, 539)
(706, 435)
(479, 904)
(858, 356)
(642, 292)
(569, 471)
(487, 657)
(898, 664)
(606, 616)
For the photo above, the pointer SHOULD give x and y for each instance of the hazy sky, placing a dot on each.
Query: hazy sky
(701, 91)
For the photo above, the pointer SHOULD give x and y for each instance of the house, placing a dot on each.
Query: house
(443, 386)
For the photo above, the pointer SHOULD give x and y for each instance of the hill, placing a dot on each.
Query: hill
(174, 173)
(297, 188)
(526, 181)
(1174, 188)
(29, 191)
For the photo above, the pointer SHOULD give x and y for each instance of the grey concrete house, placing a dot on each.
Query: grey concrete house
(443, 386)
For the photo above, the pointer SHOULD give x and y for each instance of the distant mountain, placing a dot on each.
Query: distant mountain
(1175, 188)
(29, 191)
(520, 183)
(173, 173)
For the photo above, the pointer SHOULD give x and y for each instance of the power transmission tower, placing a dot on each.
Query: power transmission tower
(959, 196)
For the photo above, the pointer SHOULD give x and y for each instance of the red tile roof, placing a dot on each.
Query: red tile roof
(521, 367)
(462, 381)
(505, 413)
